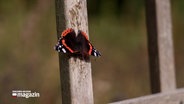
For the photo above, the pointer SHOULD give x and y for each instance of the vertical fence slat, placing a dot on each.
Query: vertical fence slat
(160, 45)
(76, 79)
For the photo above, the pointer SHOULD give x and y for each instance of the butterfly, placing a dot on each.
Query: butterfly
(77, 44)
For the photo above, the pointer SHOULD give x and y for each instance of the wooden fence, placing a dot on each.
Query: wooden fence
(76, 80)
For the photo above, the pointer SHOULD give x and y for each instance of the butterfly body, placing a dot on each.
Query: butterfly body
(77, 44)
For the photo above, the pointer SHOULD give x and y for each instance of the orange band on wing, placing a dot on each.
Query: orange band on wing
(63, 42)
(90, 49)
(90, 46)
(65, 32)
(85, 35)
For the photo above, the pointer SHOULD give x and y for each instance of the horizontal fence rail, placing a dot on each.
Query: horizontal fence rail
(174, 97)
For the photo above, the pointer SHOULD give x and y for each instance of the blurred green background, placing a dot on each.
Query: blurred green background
(117, 28)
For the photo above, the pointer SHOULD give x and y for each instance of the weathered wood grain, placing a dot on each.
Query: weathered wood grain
(76, 79)
(173, 97)
(160, 45)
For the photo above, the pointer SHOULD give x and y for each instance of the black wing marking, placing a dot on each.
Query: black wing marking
(69, 43)
(82, 44)
(86, 45)
(95, 52)
(60, 47)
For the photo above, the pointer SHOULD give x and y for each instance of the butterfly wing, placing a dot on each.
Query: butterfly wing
(69, 41)
(80, 44)
(60, 47)
(90, 50)
(66, 43)
(95, 52)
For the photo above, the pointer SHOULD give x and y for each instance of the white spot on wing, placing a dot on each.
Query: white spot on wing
(64, 51)
(95, 54)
